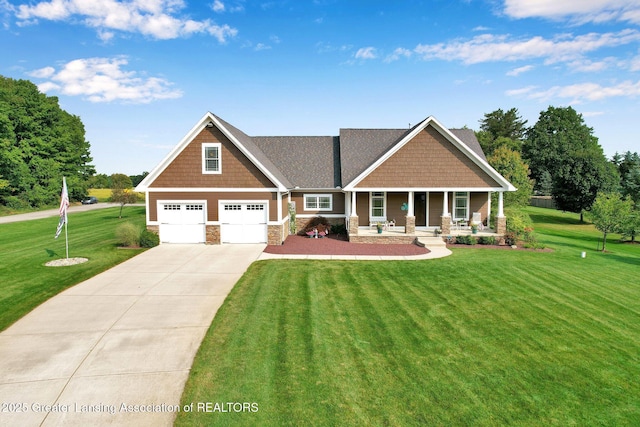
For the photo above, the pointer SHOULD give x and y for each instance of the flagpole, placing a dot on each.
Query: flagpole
(66, 235)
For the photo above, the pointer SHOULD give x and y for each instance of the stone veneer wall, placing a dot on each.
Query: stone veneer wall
(212, 234)
(353, 227)
(396, 239)
(445, 224)
(301, 223)
(501, 225)
(274, 234)
(410, 226)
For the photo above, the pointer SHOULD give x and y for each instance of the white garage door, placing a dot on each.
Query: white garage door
(181, 222)
(243, 222)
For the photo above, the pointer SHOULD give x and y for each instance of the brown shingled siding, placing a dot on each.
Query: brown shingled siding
(479, 203)
(237, 169)
(435, 209)
(428, 160)
(394, 204)
(362, 208)
(212, 201)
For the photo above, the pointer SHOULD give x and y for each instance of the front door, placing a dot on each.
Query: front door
(420, 209)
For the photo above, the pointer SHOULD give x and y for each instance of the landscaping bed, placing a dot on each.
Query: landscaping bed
(338, 245)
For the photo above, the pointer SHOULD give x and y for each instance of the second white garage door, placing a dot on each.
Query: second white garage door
(243, 222)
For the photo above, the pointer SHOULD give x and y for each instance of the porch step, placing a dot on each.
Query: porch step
(432, 242)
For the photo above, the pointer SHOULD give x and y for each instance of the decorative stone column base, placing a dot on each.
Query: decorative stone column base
(274, 234)
(212, 234)
(410, 226)
(501, 225)
(445, 224)
(353, 225)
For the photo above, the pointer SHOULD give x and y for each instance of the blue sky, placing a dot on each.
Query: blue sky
(141, 73)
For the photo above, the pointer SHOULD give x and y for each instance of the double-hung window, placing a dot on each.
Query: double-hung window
(211, 158)
(318, 202)
(378, 209)
(461, 205)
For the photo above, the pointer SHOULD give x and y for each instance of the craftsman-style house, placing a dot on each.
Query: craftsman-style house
(219, 185)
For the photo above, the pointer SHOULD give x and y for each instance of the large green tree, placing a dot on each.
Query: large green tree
(39, 144)
(562, 146)
(501, 129)
(510, 165)
(628, 166)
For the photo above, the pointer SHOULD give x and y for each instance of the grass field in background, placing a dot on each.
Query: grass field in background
(482, 337)
(25, 247)
(102, 194)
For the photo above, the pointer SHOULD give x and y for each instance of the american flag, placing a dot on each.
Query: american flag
(64, 205)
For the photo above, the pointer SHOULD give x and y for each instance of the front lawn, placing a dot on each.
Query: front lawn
(483, 337)
(26, 246)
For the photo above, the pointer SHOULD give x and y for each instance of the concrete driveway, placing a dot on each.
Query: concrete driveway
(117, 348)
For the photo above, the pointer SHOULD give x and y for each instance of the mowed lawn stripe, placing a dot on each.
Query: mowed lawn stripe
(483, 337)
(25, 247)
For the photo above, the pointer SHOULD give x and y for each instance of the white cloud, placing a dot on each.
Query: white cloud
(104, 80)
(218, 6)
(580, 92)
(399, 52)
(520, 70)
(153, 18)
(366, 53)
(491, 48)
(579, 11)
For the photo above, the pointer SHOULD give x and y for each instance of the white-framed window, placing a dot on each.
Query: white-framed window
(318, 202)
(461, 205)
(378, 204)
(211, 158)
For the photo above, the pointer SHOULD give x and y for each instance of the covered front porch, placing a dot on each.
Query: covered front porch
(405, 215)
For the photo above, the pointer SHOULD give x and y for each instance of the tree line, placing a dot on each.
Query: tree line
(39, 144)
(560, 157)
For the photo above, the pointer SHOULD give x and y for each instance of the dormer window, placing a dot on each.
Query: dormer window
(211, 163)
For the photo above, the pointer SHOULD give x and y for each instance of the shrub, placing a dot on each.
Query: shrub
(519, 223)
(510, 239)
(16, 203)
(487, 240)
(149, 239)
(319, 223)
(128, 234)
(466, 240)
(339, 229)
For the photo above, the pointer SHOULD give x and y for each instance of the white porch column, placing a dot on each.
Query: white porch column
(500, 204)
(489, 209)
(279, 206)
(410, 204)
(353, 203)
(445, 204)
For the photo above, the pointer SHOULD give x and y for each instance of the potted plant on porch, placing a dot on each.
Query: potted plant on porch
(474, 228)
(379, 227)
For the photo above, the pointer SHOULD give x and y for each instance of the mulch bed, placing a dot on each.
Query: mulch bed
(338, 245)
(505, 247)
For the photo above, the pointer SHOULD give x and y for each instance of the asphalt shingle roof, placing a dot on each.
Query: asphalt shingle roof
(306, 161)
(328, 161)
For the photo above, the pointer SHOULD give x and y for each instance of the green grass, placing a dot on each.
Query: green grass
(483, 337)
(25, 282)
